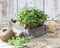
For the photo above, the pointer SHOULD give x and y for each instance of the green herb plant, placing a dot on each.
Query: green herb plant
(19, 41)
(31, 16)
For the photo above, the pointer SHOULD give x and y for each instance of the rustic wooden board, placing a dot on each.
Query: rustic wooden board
(9, 8)
(4, 23)
(52, 8)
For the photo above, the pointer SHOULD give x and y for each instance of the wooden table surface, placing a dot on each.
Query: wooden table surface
(51, 41)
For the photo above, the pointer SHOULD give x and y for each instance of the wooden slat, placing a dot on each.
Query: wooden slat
(9, 9)
(15, 8)
(30, 3)
(51, 7)
(0, 9)
(4, 23)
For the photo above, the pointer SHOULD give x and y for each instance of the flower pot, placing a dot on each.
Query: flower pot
(35, 32)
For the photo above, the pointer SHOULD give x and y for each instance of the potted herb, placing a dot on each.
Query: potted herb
(33, 19)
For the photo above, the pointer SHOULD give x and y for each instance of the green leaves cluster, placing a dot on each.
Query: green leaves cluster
(31, 16)
(19, 41)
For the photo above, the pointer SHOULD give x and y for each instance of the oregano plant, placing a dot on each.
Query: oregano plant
(31, 16)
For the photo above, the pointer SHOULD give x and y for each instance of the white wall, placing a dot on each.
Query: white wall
(51, 7)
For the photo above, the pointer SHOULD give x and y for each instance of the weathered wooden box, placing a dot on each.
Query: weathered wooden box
(31, 32)
(37, 31)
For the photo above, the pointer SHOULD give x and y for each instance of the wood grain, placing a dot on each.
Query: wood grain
(4, 7)
(10, 8)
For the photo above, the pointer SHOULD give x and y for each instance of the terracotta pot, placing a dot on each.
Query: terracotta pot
(6, 33)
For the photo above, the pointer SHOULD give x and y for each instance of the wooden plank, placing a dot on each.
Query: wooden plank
(12, 9)
(0, 10)
(21, 4)
(58, 9)
(39, 4)
(49, 9)
(4, 7)
(9, 9)
(6, 23)
(52, 8)
(13, 6)
(30, 3)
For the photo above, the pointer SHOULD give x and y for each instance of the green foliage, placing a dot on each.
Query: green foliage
(31, 16)
(19, 41)
(11, 41)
